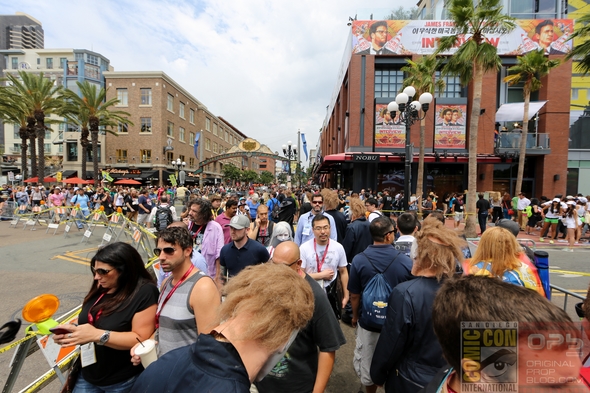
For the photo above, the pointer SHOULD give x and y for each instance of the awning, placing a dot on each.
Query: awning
(515, 111)
(68, 174)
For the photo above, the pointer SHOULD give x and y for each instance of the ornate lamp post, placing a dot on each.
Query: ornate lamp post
(409, 113)
(180, 173)
(291, 154)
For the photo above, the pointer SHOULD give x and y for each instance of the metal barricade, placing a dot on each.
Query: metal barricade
(567, 294)
(8, 209)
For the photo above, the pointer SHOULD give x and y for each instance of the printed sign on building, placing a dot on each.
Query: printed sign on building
(406, 37)
(449, 126)
(389, 133)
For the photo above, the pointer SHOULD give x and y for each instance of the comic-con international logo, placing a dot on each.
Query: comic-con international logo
(489, 351)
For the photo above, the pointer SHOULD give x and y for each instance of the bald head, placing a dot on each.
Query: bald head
(287, 253)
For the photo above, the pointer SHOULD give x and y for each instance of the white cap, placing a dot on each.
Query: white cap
(556, 200)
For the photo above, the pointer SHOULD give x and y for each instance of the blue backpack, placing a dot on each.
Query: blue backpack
(375, 298)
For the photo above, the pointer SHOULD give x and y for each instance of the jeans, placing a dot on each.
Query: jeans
(482, 218)
(82, 386)
(81, 214)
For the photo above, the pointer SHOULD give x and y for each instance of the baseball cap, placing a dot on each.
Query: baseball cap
(570, 202)
(556, 200)
(508, 224)
(239, 222)
(569, 197)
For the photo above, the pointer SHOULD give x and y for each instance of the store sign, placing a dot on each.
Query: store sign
(406, 37)
(365, 157)
(123, 171)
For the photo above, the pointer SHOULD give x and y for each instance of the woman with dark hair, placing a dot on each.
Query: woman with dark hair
(552, 215)
(119, 309)
(535, 216)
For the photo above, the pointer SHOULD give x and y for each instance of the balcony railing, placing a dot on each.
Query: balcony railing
(536, 144)
(122, 160)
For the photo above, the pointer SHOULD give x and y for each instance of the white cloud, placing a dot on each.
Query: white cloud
(268, 67)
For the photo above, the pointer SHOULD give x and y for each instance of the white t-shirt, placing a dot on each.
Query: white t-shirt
(374, 215)
(335, 258)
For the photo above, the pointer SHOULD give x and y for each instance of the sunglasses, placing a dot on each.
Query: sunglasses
(317, 202)
(100, 272)
(166, 250)
(287, 264)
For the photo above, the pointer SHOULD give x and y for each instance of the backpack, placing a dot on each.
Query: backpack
(163, 218)
(276, 209)
(375, 298)
(403, 247)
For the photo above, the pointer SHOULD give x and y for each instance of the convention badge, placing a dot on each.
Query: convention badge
(307, 229)
(87, 354)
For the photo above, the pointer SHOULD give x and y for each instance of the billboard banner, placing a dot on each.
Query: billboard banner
(407, 37)
(449, 126)
(389, 133)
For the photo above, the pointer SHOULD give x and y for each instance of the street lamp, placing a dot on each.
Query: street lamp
(409, 113)
(180, 173)
(291, 153)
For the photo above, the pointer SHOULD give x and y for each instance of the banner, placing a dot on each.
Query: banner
(389, 133)
(449, 126)
(406, 37)
(304, 142)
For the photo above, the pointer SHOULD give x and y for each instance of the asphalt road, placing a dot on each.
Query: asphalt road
(36, 262)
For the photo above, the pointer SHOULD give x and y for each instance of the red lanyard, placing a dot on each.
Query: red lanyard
(171, 293)
(90, 317)
(320, 263)
(197, 232)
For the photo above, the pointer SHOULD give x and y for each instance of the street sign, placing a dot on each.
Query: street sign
(10, 176)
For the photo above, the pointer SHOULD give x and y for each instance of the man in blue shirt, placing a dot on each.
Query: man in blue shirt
(242, 251)
(145, 208)
(82, 200)
(304, 231)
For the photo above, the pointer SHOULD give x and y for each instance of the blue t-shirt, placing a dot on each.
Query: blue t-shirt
(234, 259)
(253, 208)
(143, 201)
(81, 200)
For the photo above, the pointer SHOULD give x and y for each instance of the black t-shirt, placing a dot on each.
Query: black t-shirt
(483, 205)
(387, 202)
(296, 371)
(458, 205)
(113, 365)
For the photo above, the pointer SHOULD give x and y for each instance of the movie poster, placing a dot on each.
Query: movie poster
(389, 133)
(404, 37)
(450, 123)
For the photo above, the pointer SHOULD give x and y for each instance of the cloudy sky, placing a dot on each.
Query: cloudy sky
(268, 67)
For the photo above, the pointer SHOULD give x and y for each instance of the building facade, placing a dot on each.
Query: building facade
(65, 67)
(166, 121)
(360, 147)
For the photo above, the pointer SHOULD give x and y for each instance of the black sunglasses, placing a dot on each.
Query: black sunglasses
(166, 250)
(100, 272)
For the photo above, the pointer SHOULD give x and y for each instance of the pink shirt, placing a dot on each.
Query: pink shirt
(56, 199)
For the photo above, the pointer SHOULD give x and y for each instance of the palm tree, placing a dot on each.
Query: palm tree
(475, 56)
(40, 95)
(421, 75)
(92, 104)
(528, 70)
(13, 111)
(582, 50)
(78, 116)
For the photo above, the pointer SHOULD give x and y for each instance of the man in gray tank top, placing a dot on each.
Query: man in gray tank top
(188, 298)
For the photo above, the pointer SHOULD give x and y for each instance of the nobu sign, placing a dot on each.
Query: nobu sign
(365, 157)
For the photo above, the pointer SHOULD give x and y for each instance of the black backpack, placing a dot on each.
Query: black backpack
(163, 217)
(276, 209)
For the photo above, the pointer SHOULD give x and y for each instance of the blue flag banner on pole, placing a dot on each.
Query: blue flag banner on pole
(304, 146)
(196, 147)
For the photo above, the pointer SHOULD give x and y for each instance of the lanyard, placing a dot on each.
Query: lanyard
(171, 293)
(90, 317)
(197, 232)
(320, 264)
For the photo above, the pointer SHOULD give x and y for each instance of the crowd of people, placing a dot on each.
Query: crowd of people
(255, 285)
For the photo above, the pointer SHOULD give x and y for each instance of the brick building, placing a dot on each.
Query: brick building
(166, 119)
(352, 154)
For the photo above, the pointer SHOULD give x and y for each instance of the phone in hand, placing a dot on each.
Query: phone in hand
(57, 330)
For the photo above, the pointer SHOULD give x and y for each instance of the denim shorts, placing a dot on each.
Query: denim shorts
(83, 386)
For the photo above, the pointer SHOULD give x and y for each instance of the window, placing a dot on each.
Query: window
(72, 151)
(575, 93)
(170, 105)
(16, 148)
(191, 138)
(181, 110)
(208, 124)
(47, 148)
(170, 129)
(453, 87)
(146, 96)
(207, 144)
(121, 155)
(146, 124)
(92, 59)
(62, 62)
(181, 134)
(16, 130)
(122, 97)
(60, 148)
(182, 158)
(226, 136)
(122, 128)
(145, 156)
(49, 63)
(191, 162)
(192, 116)
(534, 9)
(169, 156)
(15, 63)
(214, 147)
(214, 128)
(79, 56)
(388, 83)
